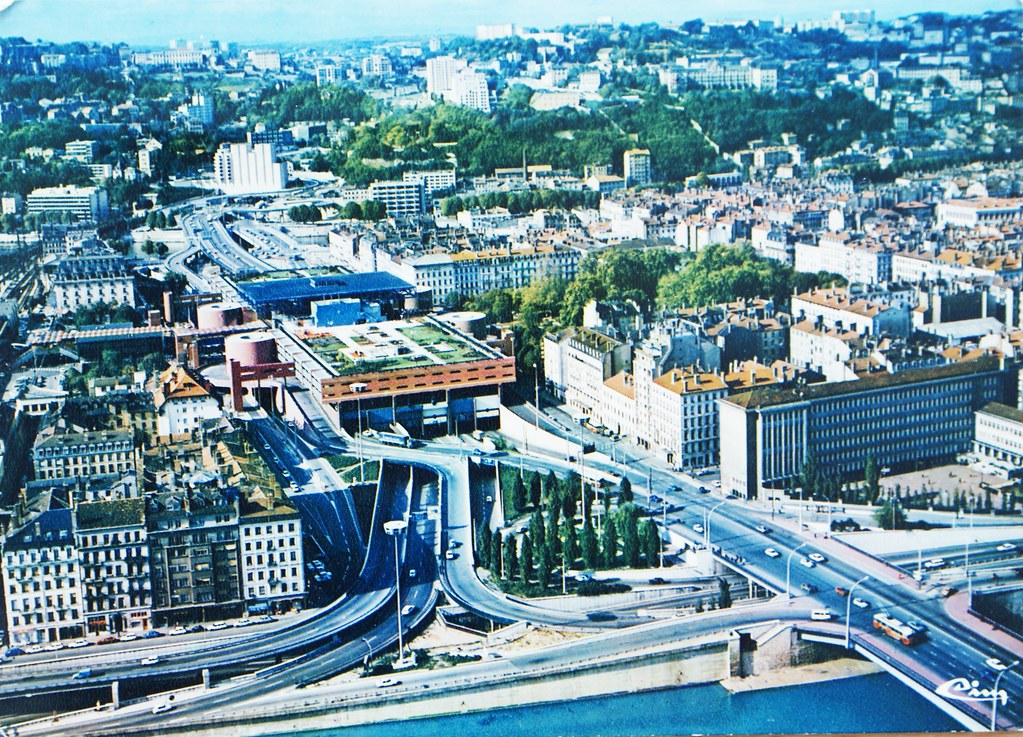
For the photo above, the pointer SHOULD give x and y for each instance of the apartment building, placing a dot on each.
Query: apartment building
(858, 260)
(638, 170)
(182, 404)
(113, 552)
(194, 551)
(42, 581)
(837, 307)
(92, 278)
(270, 540)
(578, 361)
(979, 211)
(73, 454)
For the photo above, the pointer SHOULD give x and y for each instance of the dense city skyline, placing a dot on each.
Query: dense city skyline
(153, 22)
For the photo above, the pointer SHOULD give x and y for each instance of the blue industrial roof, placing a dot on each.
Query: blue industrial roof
(333, 286)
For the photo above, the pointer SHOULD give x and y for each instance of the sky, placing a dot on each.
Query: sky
(155, 22)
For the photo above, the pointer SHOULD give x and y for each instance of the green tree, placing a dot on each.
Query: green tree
(872, 478)
(510, 566)
(483, 545)
(568, 505)
(526, 559)
(537, 529)
(518, 495)
(588, 545)
(890, 515)
(650, 541)
(543, 566)
(630, 540)
(625, 490)
(535, 490)
(374, 210)
(550, 488)
(569, 542)
(496, 551)
(609, 544)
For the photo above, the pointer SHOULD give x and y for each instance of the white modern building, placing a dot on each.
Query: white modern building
(85, 203)
(440, 70)
(469, 89)
(246, 168)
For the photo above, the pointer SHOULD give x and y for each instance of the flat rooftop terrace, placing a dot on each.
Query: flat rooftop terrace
(390, 346)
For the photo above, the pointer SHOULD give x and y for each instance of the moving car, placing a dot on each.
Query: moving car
(806, 563)
(821, 615)
(817, 558)
(697, 527)
(995, 664)
(152, 660)
(772, 553)
(808, 588)
(1005, 547)
(861, 603)
(388, 682)
(162, 707)
(762, 529)
(83, 674)
(408, 609)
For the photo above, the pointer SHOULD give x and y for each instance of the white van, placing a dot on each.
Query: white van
(820, 615)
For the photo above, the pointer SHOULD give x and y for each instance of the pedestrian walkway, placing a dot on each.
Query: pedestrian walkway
(958, 607)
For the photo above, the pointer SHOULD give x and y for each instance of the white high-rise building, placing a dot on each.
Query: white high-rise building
(469, 89)
(439, 72)
(637, 167)
(244, 168)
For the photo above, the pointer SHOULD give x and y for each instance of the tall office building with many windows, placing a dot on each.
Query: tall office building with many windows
(921, 415)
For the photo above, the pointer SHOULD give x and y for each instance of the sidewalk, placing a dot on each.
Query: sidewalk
(958, 607)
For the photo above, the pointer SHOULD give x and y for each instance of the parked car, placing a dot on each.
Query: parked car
(196, 628)
(216, 626)
(151, 634)
(107, 640)
(179, 631)
(13, 652)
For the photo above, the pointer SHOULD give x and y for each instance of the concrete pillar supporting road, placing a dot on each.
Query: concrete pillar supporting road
(115, 695)
(206, 683)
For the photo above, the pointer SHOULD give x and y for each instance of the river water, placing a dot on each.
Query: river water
(874, 703)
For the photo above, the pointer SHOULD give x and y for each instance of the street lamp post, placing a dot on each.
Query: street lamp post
(788, 570)
(994, 696)
(848, 609)
(706, 531)
(394, 528)
(359, 389)
(536, 395)
(369, 654)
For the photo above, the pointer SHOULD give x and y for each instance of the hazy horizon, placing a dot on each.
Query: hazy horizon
(155, 22)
